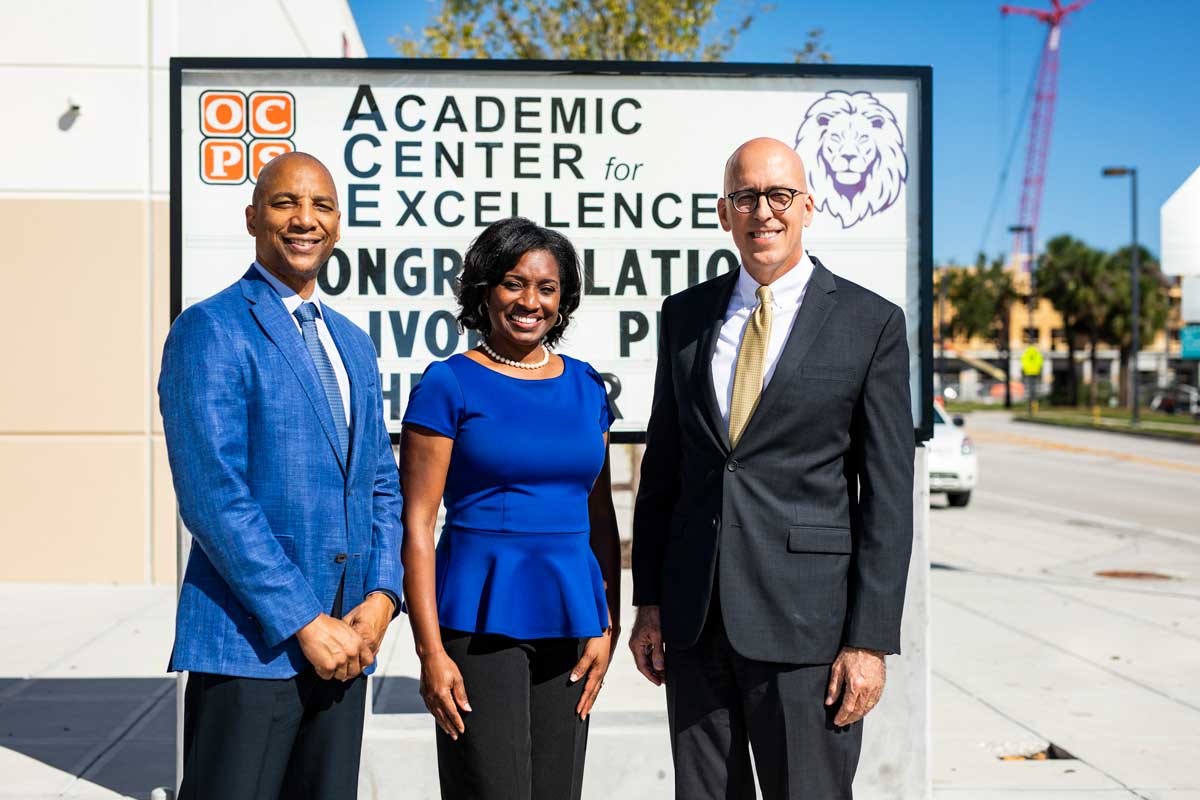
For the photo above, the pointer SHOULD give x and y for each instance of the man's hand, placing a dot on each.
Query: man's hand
(646, 642)
(858, 676)
(334, 648)
(371, 618)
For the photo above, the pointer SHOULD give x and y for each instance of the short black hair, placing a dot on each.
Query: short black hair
(497, 250)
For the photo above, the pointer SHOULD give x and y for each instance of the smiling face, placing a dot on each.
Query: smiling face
(524, 306)
(294, 219)
(769, 241)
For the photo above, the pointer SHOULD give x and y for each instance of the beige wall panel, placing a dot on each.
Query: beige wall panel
(163, 519)
(74, 509)
(160, 298)
(78, 329)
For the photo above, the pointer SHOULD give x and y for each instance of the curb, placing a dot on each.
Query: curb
(1143, 433)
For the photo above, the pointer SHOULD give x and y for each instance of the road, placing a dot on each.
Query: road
(1114, 477)
(1031, 647)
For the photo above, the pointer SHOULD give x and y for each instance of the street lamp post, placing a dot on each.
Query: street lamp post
(1031, 386)
(1135, 284)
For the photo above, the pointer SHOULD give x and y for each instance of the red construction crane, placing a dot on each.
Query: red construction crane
(1042, 122)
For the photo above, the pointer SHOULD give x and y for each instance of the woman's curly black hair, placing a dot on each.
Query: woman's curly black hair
(497, 250)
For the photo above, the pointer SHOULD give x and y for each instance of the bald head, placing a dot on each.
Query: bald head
(765, 154)
(774, 193)
(281, 167)
(294, 219)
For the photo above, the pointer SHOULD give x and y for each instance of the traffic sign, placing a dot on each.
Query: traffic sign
(1031, 361)
(1189, 338)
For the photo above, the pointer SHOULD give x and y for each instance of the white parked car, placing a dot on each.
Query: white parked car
(953, 466)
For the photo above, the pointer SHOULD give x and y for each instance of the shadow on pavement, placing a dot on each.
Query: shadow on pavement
(397, 695)
(115, 732)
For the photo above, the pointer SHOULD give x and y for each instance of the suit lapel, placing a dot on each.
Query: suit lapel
(268, 309)
(706, 347)
(819, 300)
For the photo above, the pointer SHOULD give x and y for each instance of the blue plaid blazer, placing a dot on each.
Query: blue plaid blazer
(278, 517)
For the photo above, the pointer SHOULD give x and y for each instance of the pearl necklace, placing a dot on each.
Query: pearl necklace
(518, 364)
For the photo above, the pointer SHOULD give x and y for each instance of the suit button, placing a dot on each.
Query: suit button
(340, 558)
(715, 522)
(732, 466)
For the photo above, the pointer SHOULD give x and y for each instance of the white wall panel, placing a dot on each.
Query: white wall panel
(104, 150)
(164, 25)
(262, 29)
(112, 32)
(160, 126)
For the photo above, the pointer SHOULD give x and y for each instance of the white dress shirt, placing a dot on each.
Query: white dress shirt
(292, 301)
(786, 294)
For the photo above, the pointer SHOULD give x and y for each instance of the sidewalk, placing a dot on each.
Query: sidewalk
(1030, 649)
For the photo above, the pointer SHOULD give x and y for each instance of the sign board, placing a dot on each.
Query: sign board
(625, 158)
(1031, 361)
(1189, 340)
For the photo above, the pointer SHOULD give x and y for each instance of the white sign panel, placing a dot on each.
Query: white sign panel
(628, 166)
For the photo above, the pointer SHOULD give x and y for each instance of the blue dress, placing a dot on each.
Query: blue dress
(514, 557)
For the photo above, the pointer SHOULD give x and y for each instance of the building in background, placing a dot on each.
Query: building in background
(1180, 221)
(85, 489)
(974, 368)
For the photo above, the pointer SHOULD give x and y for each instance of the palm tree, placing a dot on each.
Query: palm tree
(1155, 305)
(1072, 276)
(982, 298)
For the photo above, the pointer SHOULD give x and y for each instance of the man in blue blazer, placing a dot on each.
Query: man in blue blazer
(285, 478)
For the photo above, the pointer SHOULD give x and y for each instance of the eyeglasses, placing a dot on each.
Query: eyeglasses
(778, 198)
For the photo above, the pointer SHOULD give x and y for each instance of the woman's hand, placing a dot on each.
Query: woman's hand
(593, 664)
(443, 691)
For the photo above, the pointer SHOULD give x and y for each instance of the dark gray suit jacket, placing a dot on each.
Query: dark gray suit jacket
(809, 519)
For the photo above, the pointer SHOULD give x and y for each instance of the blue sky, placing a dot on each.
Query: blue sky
(1128, 93)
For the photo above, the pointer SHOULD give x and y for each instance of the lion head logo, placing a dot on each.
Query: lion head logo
(854, 153)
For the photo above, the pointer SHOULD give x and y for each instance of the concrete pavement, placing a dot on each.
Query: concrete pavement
(1031, 648)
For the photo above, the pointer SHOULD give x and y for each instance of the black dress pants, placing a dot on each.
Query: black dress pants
(523, 739)
(721, 704)
(256, 739)
(296, 738)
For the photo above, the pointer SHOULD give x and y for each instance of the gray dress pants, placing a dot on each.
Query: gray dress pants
(720, 705)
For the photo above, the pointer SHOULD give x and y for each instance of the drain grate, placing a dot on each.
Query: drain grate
(1133, 575)
(1051, 753)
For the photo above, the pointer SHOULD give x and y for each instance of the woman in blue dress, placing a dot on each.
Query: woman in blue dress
(515, 614)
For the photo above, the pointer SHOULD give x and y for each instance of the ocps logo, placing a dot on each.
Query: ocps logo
(242, 133)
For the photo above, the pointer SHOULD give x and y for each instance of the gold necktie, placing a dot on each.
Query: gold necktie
(751, 360)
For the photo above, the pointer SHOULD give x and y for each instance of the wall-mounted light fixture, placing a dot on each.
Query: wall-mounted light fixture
(69, 116)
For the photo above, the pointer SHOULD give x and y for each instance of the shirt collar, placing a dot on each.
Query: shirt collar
(785, 292)
(291, 300)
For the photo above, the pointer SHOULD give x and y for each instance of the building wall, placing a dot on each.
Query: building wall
(1158, 357)
(86, 488)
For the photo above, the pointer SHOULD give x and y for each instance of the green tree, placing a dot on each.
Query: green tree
(1077, 281)
(982, 299)
(1155, 305)
(624, 30)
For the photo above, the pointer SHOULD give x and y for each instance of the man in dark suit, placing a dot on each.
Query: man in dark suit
(286, 480)
(773, 525)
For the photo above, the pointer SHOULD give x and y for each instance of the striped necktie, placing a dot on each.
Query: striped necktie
(307, 313)
(751, 359)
